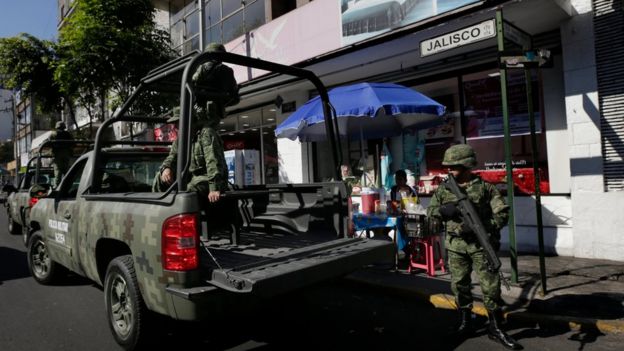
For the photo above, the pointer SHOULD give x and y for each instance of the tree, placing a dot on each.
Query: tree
(27, 64)
(105, 48)
(6, 152)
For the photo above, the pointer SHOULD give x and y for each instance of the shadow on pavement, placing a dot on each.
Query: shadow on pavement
(13, 264)
(597, 305)
(584, 335)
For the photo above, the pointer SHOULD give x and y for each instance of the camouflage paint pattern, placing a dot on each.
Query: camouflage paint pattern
(16, 203)
(465, 252)
(135, 224)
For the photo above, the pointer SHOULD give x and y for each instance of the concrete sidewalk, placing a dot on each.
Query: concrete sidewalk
(581, 293)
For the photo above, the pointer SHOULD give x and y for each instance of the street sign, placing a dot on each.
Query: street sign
(458, 38)
(528, 59)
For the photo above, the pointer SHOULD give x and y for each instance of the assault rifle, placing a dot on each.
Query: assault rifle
(471, 217)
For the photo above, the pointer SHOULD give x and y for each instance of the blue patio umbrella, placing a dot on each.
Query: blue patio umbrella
(365, 111)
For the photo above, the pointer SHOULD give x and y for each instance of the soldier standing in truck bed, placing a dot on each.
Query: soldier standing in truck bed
(208, 167)
(61, 153)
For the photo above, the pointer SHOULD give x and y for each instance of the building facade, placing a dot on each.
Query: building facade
(576, 105)
(448, 50)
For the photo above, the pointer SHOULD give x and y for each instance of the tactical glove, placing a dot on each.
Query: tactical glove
(449, 211)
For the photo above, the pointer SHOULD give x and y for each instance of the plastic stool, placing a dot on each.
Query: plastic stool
(429, 246)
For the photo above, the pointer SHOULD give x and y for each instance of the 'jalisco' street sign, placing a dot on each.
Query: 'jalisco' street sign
(452, 40)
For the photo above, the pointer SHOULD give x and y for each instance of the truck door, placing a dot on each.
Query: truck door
(61, 232)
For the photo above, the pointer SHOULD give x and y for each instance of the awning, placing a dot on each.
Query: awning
(36, 143)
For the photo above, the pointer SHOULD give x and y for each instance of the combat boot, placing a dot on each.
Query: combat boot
(495, 332)
(465, 327)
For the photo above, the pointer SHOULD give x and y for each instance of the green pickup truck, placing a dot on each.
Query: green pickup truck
(165, 253)
(19, 201)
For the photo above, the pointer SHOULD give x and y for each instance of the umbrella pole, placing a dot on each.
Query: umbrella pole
(363, 164)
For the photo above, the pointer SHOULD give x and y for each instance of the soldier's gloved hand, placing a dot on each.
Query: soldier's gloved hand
(449, 211)
(466, 230)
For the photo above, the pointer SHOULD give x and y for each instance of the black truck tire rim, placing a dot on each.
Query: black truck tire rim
(122, 310)
(40, 260)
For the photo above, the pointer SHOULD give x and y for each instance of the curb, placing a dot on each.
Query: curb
(446, 301)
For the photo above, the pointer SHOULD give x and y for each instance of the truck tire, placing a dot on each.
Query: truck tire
(128, 317)
(14, 227)
(42, 268)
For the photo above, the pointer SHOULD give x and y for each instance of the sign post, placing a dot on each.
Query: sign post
(513, 255)
(527, 59)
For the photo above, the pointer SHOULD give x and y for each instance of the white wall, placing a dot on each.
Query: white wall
(294, 157)
(557, 138)
(597, 214)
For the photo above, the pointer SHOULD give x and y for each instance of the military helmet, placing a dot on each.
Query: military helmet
(60, 125)
(460, 155)
(215, 47)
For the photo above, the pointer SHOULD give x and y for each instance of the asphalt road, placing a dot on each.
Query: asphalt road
(334, 316)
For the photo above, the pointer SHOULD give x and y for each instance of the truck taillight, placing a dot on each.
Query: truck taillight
(180, 243)
(32, 201)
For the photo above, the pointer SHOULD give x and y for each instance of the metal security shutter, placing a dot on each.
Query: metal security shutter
(609, 41)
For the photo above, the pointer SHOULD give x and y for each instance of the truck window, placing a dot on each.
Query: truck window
(71, 182)
(130, 175)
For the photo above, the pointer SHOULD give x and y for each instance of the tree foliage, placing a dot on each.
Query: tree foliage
(28, 63)
(6, 152)
(106, 47)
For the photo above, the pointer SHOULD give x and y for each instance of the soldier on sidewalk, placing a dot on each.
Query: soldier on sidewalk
(464, 251)
(61, 153)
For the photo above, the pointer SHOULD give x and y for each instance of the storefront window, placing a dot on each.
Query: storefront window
(422, 149)
(253, 134)
(484, 128)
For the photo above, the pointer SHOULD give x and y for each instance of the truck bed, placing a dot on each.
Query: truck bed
(254, 247)
(266, 264)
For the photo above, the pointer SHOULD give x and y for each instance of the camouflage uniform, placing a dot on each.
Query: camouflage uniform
(464, 251)
(61, 153)
(208, 167)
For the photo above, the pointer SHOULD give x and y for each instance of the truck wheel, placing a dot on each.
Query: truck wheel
(14, 227)
(42, 268)
(128, 317)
